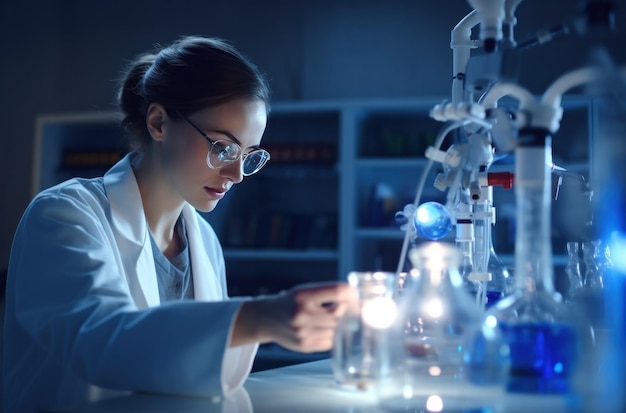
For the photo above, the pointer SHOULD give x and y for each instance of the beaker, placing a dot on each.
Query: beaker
(360, 353)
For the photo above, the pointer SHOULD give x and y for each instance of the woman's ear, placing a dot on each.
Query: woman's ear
(155, 118)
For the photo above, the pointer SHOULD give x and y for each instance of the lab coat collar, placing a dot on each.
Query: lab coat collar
(131, 230)
(206, 286)
(122, 191)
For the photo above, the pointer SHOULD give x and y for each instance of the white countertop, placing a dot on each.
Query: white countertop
(308, 388)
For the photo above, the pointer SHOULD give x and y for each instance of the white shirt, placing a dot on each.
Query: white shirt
(82, 308)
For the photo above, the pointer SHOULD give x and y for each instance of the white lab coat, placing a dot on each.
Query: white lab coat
(82, 308)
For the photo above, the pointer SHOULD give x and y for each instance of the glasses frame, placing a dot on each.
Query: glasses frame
(265, 154)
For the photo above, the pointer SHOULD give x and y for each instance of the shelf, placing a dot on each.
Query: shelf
(275, 254)
(391, 162)
(380, 233)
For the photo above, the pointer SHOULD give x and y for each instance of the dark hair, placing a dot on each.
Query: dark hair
(191, 74)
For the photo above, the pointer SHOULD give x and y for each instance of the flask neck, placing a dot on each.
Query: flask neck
(437, 267)
(533, 248)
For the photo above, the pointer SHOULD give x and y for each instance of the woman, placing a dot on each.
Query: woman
(117, 282)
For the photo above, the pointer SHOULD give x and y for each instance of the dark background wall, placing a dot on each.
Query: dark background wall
(64, 56)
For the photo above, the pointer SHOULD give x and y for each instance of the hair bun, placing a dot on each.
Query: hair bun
(130, 96)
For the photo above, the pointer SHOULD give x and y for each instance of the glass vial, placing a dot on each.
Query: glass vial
(360, 354)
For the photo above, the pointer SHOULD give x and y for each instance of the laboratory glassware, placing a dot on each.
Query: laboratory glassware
(544, 340)
(359, 355)
(448, 349)
(572, 271)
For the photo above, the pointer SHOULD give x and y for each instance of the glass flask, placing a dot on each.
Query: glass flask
(501, 283)
(593, 271)
(588, 299)
(448, 351)
(572, 271)
(359, 353)
(602, 256)
(432, 220)
(543, 338)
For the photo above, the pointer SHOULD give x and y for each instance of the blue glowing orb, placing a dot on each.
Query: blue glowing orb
(432, 220)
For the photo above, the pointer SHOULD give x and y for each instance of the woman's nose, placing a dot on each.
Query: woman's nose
(233, 171)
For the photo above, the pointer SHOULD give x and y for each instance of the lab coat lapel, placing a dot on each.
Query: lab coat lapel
(131, 232)
(206, 284)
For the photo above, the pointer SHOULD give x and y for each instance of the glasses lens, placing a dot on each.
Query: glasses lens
(225, 151)
(254, 161)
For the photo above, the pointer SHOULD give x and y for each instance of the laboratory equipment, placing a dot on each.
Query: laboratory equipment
(359, 358)
(572, 271)
(545, 337)
(588, 299)
(470, 200)
(432, 221)
(492, 276)
(602, 256)
(603, 387)
(464, 241)
(593, 274)
(442, 337)
(544, 342)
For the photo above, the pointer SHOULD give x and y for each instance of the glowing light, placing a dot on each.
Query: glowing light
(432, 220)
(491, 321)
(434, 371)
(434, 308)
(407, 392)
(434, 403)
(379, 312)
(618, 251)
(558, 368)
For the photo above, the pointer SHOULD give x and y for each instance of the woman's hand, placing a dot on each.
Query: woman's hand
(302, 319)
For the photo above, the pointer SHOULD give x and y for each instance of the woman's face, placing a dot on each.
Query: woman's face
(184, 149)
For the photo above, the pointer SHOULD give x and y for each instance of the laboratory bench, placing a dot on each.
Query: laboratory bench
(310, 388)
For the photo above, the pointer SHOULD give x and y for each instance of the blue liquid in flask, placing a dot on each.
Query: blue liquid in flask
(493, 297)
(542, 355)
